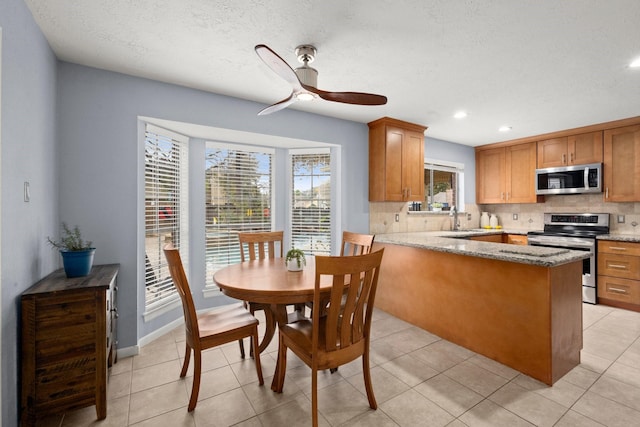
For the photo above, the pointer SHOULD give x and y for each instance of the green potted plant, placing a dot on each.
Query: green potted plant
(295, 260)
(436, 207)
(77, 253)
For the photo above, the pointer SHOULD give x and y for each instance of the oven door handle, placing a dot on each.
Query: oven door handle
(571, 246)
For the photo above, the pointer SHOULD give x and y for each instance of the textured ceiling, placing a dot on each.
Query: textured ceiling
(535, 65)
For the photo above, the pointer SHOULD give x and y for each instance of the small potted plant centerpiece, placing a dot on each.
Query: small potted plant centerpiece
(77, 253)
(295, 260)
(436, 207)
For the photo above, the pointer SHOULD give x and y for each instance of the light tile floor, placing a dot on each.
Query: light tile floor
(419, 380)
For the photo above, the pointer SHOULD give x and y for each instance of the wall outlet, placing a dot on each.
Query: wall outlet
(397, 217)
(468, 217)
(515, 217)
(620, 219)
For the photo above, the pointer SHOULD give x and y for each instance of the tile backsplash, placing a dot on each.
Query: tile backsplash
(382, 215)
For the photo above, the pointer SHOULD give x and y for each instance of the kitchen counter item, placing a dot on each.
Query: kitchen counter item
(484, 220)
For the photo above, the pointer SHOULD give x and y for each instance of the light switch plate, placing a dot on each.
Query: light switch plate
(515, 217)
(620, 219)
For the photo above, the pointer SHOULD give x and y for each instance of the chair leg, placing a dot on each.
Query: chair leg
(241, 342)
(254, 341)
(366, 371)
(314, 396)
(195, 388)
(185, 364)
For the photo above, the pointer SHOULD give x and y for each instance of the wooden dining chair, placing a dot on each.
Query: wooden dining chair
(226, 324)
(353, 244)
(356, 243)
(343, 334)
(256, 246)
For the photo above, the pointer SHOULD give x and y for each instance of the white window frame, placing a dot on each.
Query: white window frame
(210, 288)
(335, 178)
(172, 299)
(448, 166)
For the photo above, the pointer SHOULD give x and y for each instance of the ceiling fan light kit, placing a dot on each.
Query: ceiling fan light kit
(304, 81)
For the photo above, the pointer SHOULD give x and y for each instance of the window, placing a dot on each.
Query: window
(237, 198)
(311, 201)
(166, 212)
(443, 185)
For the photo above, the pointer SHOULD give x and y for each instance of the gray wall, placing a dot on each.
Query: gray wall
(100, 164)
(28, 154)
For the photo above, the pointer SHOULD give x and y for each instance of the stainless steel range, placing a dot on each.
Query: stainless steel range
(575, 232)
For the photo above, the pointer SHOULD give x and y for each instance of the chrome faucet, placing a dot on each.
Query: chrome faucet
(454, 213)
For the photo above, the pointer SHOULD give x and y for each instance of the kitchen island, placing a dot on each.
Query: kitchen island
(518, 305)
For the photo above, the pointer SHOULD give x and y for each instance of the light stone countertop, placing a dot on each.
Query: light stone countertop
(620, 237)
(443, 241)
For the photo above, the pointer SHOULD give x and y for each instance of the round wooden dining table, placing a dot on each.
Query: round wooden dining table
(269, 282)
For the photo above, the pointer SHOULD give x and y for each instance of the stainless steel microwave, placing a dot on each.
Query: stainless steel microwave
(570, 179)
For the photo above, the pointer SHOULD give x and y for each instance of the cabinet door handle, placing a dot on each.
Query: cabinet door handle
(606, 193)
(502, 195)
(618, 266)
(617, 290)
(617, 248)
(571, 158)
(564, 159)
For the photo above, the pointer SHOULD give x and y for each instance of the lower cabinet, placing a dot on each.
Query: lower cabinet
(68, 343)
(495, 238)
(515, 239)
(619, 274)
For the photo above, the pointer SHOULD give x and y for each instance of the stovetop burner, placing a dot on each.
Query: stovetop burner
(588, 225)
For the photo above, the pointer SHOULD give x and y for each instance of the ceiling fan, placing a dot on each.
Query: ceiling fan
(304, 81)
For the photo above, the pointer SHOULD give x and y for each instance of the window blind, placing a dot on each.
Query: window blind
(311, 202)
(166, 212)
(238, 193)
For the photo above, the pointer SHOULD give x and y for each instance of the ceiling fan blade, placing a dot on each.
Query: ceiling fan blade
(278, 65)
(278, 105)
(358, 98)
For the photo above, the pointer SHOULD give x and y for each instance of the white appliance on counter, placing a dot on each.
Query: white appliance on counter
(575, 231)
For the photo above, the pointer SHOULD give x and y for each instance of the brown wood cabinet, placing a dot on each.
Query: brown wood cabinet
(532, 325)
(622, 164)
(515, 239)
(68, 342)
(506, 174)
(396, 161)
(495, 238)
(619, 274)
(570, 150)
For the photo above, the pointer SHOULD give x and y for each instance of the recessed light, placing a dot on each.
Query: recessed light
(504, 128)
(460, 115)
(635, 63)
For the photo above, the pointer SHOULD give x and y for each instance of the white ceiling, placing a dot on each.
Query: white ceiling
(536, 65)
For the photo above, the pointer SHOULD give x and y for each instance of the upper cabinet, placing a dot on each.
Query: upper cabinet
(506, 174)
(622, 164)
(396, 161)
(570, 150)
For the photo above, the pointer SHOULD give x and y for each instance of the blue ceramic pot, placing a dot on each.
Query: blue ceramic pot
(77, 263)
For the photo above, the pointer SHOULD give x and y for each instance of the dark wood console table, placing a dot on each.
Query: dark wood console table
(68, 342)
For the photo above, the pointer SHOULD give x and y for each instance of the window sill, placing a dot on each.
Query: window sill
(432, 213)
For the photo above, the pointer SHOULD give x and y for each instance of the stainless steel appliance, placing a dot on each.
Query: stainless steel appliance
(570, 179)
(576, 232)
